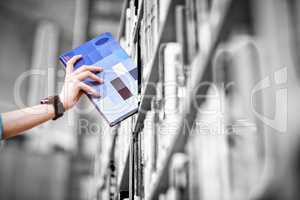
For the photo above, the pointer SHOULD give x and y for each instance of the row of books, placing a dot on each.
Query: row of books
(233, 147)
(193, 35)
(148, 26)
(225, 139)
(161, 123)
(154, 16)
(175, 57)
(232, 151)
(196, 24)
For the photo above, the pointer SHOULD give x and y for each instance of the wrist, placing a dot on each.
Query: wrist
(64, 101)
(57, 104)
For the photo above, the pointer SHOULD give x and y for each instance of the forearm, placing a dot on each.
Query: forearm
(21, 120)
(16, 122)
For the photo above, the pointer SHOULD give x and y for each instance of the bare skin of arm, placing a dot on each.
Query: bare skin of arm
(16, 122)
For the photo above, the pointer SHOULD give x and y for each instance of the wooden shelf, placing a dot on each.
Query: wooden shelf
(166, 34)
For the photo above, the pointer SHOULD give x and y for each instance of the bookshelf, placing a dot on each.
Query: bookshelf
(214, 39)
(166, 31)
(180, 140)
(166, 34)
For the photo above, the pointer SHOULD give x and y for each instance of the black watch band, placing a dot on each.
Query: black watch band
(57, 104)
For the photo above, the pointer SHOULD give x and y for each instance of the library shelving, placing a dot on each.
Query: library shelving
(204, 47)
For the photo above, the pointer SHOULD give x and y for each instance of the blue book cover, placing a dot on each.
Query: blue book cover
(119, 91)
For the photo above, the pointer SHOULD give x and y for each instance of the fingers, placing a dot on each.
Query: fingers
(88, 68)
(88, 89)
(88, 74)
(71, 63)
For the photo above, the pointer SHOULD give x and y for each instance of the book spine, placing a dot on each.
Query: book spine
(63, 61)
(203, 25)
(191, 30)
(171, 54)
(181, 31)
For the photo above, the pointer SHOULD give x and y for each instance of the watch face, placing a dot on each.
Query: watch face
(48, 100)
(44, 101)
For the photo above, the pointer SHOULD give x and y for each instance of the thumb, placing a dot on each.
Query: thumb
(71, 63)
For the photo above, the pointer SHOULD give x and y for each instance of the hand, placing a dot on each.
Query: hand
(74, 87)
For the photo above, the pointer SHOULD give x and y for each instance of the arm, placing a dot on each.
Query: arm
(18, 121)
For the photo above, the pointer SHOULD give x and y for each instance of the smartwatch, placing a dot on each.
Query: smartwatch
(57, 104)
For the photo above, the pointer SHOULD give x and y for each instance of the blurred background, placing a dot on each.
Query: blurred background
(51, 161)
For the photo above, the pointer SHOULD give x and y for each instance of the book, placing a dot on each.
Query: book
(119, 91)
(192, 41)
(204, 25)
(172, 55)
(181, 31)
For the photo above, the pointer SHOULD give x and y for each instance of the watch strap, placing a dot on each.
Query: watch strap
(58, 108)
(57, 104)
